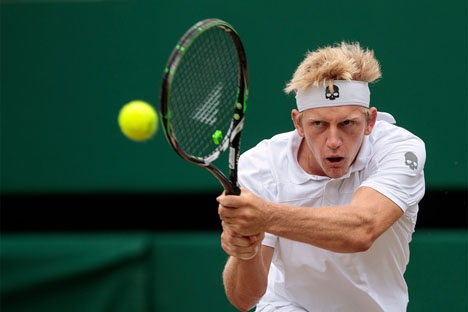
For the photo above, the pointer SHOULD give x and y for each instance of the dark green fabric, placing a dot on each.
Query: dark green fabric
(67, 67)
(181, 271)
(74, 272)
(187, 271)
(437, 274)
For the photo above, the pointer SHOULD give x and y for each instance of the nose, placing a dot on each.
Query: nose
(334, 140)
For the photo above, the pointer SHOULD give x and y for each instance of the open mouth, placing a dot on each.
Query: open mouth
(334, 159)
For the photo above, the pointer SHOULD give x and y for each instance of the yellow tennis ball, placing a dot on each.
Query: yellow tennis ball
(138, 120)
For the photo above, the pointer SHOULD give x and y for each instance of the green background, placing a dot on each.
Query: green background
(175, 272)
(67, 67)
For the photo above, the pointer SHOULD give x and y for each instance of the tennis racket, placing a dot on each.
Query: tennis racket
(203, 98)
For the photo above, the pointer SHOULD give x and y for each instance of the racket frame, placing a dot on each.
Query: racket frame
(231, 140)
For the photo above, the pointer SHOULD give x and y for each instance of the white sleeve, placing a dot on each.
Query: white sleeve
(254, 175)
(398, 168)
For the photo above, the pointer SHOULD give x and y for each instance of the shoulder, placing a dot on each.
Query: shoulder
(395, 145)
(390, 136)
(261, 166)
(268, 147)
(396, 165)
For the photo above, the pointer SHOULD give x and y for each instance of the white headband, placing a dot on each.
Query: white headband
(346, 92)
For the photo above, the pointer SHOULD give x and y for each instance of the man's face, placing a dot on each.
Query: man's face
(332, 138)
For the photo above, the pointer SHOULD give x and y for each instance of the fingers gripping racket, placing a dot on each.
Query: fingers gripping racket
(203, 98)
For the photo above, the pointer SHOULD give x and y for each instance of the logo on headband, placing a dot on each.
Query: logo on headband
(332, 95)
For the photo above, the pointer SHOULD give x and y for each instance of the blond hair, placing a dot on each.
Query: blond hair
(343, 61)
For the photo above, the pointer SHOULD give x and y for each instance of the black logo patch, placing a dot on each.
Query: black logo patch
(332, 95)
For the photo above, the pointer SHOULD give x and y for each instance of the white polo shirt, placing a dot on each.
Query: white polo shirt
(306, 278)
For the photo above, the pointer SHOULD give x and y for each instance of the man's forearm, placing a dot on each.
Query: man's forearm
(245, 281)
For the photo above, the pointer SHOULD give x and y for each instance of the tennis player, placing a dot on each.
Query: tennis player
(327, 211)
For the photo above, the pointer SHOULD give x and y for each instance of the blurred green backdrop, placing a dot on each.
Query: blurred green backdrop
(67, 67)
(178, 272)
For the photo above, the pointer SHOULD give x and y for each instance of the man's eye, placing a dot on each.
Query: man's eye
(317, 123)
(347, 122)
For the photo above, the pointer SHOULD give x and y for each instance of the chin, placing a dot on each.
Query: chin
(335, 173)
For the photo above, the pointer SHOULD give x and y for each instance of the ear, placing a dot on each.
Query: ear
(372, 120)
(297, 122)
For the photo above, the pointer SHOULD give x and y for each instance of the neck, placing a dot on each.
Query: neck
(307, 160)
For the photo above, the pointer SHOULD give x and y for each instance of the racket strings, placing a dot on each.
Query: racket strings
(204, 94)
